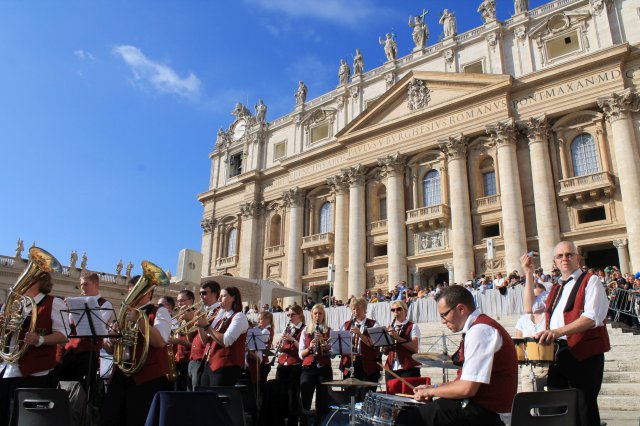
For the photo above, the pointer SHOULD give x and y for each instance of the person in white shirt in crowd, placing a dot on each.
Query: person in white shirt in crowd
(533, 378)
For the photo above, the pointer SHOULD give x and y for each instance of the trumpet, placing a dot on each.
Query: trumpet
(190, 326)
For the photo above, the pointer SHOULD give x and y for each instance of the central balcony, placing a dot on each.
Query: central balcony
(580, 188)
(318, 243)
(431, 217)
(275, 251)
(487, 204)
(226, 262)
(377, 227)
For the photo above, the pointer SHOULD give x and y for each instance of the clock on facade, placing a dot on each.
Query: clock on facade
(239, 129)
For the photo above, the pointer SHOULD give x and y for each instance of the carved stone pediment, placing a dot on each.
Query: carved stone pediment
(558, 23)
(418, 94)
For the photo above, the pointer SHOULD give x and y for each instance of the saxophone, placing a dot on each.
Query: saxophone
(172, 375)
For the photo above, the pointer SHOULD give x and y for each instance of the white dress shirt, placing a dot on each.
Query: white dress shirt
(362, 327)
(239, 325)
(13, 369)
(481, 342)
(596, 303)
(415, 334)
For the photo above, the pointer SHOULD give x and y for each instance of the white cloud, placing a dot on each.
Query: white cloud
(161, 77)
(338, 11)
(82, 55)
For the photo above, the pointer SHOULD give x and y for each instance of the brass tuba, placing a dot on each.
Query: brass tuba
(20, 307)
(129, 343)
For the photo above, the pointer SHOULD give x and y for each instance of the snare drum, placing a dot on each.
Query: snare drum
(529, 351)
(382, 409)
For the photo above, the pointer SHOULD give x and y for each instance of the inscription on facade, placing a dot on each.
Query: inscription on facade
(339, 160)
(566, 88)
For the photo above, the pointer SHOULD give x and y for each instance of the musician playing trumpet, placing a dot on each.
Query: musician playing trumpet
(316, 363)
(406, 336)
(209, 293)
(182, 343)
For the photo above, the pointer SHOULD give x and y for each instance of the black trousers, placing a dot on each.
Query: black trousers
(225, 376)
(567, 372)
(127, 403)
(74, 367)
(311, 380)
(290, 374)
(184, 381)
(448, 412)
(360, 374)
(412, 372)
(9, 385)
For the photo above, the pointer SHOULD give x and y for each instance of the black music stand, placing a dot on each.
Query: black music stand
(380, 337)
(256, 341)
(86, 322)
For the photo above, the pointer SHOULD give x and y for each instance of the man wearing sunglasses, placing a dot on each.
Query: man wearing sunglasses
(576, 311)
(487, 381)
(209, 293)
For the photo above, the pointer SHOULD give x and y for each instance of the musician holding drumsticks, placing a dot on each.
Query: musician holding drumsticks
(405, 335)
(576, 310)
(488, 380)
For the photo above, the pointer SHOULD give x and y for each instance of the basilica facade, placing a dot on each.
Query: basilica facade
(520, 132)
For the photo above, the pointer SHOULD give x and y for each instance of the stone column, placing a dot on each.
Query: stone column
(250, 239)
(393, 169)
(543, 188)
(339, 184)
(514, 235)
(623, 257)
(208, 251)
(455, 148)
(357, 230)
(449, 266)
(294, 202)
(618, 110)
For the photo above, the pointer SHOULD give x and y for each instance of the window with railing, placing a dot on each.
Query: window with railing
(431, 188)
(232, 242)
(584, 155)
(326, 223)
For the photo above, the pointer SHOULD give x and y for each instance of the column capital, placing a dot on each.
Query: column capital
(449, 266)
(293, 197)
(503, 132)
(454, 146)
(621, 243)
(355, 175)
(207, 224)
(536, 128)
(252, 209)
(392, 165)
(617, 105)
(338, 183)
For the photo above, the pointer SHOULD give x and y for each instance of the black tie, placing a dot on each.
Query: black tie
(557, 298)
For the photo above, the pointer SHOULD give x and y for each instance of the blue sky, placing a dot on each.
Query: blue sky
(109, 109)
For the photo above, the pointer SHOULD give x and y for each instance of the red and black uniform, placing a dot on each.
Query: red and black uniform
(182, 357)
(225, 363)
(366, 365)
(265, 365)
(409, 367)
(79, 358)
(129, 397)
(580, 358)
(316, 369)
(196, 356)
(289, 370)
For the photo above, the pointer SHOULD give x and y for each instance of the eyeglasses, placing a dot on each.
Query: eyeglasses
(291, 315)
(444, 316)
(396, 309)
(203, 293)
(564, 255)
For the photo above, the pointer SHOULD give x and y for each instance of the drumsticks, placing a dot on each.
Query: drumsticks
(388, 370)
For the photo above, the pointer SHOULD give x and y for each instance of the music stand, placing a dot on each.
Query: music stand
(256, 341)
(380, 337)
(84, 321)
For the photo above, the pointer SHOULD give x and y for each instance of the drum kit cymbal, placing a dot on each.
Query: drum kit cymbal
(435, 359)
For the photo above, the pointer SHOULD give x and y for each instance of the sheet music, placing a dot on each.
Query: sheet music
(79, 316)
(256, 340)
(340, 342)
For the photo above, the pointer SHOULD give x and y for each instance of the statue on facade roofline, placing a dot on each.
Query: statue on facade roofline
(390, 47)
(83, 263)
(344, 73)
(420, 32)
(73, 259)
(19, 247)
(129, 268)
(448, 21)
(301, 93)
(119, 268)
(261, 111)
(358, 63)
(488, 10)
(521, 6)
(240, 110)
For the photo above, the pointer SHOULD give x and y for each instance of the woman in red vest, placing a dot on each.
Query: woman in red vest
(316, 363)
(405, 335)
(289, 362)
(229, 335)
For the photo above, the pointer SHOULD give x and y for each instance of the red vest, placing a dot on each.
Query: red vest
(588, 343)
(288, 351)
(79, 344)
(183, 353)
(157, 363)
(311, 359)
(43, 358)
(404, 355)
(369, 355)
(497, 396)
(198, 347)
(227, 356)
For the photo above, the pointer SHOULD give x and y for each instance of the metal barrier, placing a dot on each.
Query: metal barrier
(624, 302)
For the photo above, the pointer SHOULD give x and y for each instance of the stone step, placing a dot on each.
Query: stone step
(619, 418)
(618, 402)
(616, 365)
(627, 389)
(617, 376)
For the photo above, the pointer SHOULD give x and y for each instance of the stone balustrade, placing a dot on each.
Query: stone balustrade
(227, 262)
(275, 251)
(487, 204)
(377, 227)
(431, 217)
(593, 186)
(318, 242)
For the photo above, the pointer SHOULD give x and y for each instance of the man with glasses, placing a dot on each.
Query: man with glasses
(576, 310)
(488, 378)
(209, 293)
(182, 344)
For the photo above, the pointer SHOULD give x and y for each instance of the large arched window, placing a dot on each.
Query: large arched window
(488, 177)
(232, 242)
(431, 188)
(382, 202)
(326, 224)
(274, 230)
(584, 155)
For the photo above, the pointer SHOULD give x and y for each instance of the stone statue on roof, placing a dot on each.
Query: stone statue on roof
(83, 263)
(420, 32)
(390, 47)
(19, 248)
(73, 259)
(520, 6)
(261, 111)
(487, 10)
(358, 63)
(301, 93)
(344, 73)
(448, 21)
(129, 268)
(119, 268)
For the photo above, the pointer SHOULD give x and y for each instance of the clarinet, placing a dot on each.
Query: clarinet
(276, 354)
